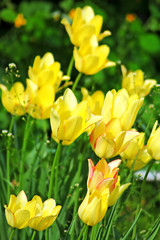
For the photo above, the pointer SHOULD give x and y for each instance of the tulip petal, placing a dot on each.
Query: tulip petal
(21, 218)
(10, 217)
(104, 148)
(55, 122)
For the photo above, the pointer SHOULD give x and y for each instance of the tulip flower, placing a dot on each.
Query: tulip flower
(15, 100)
(112, 135)
(18, 211)
(153, 145)
(43, 214)
(70, 119)
(134, 82)
(136, 154)
(20, 21)
(85, 24)
(95, 101)
(101, 182)
(91, 58)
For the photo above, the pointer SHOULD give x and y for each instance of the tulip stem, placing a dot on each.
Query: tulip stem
(8, 157)
(82, 231)
(76, 81)
(55, 160)
(33, 235)
(10, 238)
(69, 70)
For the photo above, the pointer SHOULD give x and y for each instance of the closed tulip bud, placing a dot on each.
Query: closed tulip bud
(91, 58)
(134, 82)
(70, 119)
(153, 145)
(136, 155)
(85, 24)
(15, 100)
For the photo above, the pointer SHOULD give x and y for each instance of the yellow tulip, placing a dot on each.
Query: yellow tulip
(91, 58)
(136, 153)
(135, 84)
(18, 211)
(111, 136)
(85, 24)
(43, 214)
(70, 119)
(153, 145)
(101, 182)
(95, 101)
(46, 71)
(15, 100)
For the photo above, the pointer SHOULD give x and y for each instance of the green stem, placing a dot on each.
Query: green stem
(8, 157)
(76, 81)
(55, 160)
(70, 67)
(10, 238)
(82, 231)
(25, 139)
(33, 235)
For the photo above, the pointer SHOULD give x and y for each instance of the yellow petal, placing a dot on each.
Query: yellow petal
(55, 122)
(10, 217)
(21, 218)
(107, 107)
(104, 148)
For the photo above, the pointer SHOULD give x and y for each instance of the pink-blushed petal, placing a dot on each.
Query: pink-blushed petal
(91, 169)
(102, 166)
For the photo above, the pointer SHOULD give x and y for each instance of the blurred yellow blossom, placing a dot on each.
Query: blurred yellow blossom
(136, 153)
(91, 58)
(101, 182)
(134, 82)
(153, 144)
(111, 135)
(20, 21)
(85, 24)
(44, 214)
(15, 100)
(130, 17)
(70, 119)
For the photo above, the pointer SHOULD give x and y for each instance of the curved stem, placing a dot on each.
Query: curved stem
(55, 160)
(82, 231)
(10, 238)
(8, 157)
(69, 70)
(76, 81)
(33, 235)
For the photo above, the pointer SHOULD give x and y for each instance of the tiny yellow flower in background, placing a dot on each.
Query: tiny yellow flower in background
(17, 212)
(91, 58)
(70, 119)
(130, 17)
(85, 24)
(15, 100)
(134, 83)
(101, 182)
(112, 135)
(153, 144)
(20, 21)
(44, 214)
(136, 153)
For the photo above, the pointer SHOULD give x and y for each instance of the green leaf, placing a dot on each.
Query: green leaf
(150, 43)
(7, 15)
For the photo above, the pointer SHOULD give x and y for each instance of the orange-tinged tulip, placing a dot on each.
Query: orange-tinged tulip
(43, 214)
(101, 182)
(85, 24)
(17, 212)
(134, 82)
(153, 145)
(15, 100)
(91, 58)
(136, 154)
(70, 119)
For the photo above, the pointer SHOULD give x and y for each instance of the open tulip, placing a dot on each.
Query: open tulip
(43, 214)
(136, 154)
(101, 182)
(91, 58)
(135, 84)
(153, 145)
(15, 100)
(85, 23)
(18, 211)
(70, 119)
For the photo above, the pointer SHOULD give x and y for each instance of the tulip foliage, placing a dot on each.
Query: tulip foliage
(56, 125)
